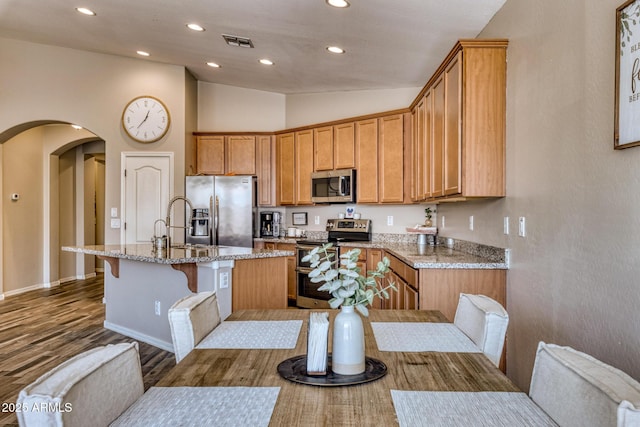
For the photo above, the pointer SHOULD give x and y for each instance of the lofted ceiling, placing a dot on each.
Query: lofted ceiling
(389, 44)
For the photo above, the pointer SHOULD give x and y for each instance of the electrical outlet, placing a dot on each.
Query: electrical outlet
(316, 220)
(390, 220)
(157, 308)
(224, 280)
(471, 222)
(442, 221)
(506, 225)
(522, 230)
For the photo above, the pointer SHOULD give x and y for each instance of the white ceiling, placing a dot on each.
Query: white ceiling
(389, 44)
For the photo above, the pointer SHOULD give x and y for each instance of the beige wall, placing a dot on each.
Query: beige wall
(307, 109)
(574, 277)
(50, 83)
(22, 220)
(67, 213)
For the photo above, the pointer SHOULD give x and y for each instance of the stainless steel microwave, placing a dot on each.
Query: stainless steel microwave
(337, 186)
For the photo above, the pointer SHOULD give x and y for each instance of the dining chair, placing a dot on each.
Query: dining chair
(191, 319)
(575, 389)
(485, 321)
(90, 389)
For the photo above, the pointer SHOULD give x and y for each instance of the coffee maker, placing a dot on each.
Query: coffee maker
(269, 224)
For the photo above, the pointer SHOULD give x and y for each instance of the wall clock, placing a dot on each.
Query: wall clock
(146, 119)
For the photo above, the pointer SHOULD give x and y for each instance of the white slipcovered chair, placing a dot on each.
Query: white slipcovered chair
(576, 389)
(191, 319)
(90, 389)
(485, 321)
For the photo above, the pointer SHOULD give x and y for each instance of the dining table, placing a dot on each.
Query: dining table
(367, 403)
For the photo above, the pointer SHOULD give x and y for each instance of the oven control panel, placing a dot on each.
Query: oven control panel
(349, 225)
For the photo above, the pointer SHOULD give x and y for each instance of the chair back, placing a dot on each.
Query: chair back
(576, 389)
(90, 389)
(191, 319)
(485, 321)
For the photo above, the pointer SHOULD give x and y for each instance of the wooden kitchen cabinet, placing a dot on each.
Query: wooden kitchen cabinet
(266, 170)
(440, 288)
(391, 159)
(344, 146)
(323, 148)
(303, 166)
(291, 269)
(240, 155)
(466, 131)
(380, 159)
(210, 155)
(406, 281)
(253, 289)
(285, 169)
(220, 154)
(367, 160)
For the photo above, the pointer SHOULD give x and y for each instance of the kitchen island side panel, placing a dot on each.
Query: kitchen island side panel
(130, 300)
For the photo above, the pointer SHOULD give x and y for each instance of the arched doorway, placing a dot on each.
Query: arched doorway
(30, 225)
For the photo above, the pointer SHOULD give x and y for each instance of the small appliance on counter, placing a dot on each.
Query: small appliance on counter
(270, 224)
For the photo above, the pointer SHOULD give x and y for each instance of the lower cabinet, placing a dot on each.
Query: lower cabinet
(259, 284)
(440, 288)
(291, 263)
(406, 282)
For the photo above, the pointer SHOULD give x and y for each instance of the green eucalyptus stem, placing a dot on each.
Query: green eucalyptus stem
(344, 281)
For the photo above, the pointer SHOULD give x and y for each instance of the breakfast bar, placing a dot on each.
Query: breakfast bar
(142, 283)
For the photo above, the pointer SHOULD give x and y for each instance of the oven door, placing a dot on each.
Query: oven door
(308, 295)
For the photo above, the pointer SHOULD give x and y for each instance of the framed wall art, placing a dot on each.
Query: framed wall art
(299, 218)
(627, 107)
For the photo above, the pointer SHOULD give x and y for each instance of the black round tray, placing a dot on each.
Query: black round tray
(295, 369)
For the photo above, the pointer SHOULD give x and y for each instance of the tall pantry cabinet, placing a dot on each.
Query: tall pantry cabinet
(458, 124)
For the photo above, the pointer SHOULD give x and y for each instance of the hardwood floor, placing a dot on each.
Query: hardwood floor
(40, 329)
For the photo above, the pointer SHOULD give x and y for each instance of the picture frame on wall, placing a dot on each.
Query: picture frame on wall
(299, 218)
(627, 99)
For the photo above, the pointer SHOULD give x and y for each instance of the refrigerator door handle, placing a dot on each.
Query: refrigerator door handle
(215, 220)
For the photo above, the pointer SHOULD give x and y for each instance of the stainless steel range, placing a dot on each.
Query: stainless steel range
(339, 230)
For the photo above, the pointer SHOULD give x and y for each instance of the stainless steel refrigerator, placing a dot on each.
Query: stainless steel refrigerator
(224, 210)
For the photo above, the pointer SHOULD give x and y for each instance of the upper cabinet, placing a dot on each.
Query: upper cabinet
(266, 170)
(323, 148)
(285, 169)
(220, 154)
(344, 153)
(459, 125)
(380, 159)
(303, 166)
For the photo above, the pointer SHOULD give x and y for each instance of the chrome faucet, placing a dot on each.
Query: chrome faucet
(168, 219)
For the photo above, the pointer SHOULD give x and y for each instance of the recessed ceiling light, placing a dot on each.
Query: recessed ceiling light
(143, 53)
(335, 49)
(213, 64)
(195, 27)
(76, 127)
(338, 3)
(86, 11)
(266, 62)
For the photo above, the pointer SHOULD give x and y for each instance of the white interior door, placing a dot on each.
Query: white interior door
(147, 188)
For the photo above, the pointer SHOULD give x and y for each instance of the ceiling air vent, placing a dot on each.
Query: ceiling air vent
(237, 41)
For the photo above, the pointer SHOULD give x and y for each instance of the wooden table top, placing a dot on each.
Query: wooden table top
(364, 404)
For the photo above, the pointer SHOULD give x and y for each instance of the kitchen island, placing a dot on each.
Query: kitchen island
(141, 284)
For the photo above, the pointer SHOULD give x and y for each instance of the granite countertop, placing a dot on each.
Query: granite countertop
(177, 255)
(441, 256)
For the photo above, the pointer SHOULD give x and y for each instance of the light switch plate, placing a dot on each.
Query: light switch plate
(114, 212)
(115, 222)
(522, 229)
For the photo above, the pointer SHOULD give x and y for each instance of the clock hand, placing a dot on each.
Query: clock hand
(145, 118)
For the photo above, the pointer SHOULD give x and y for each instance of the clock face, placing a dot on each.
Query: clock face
(146, 119)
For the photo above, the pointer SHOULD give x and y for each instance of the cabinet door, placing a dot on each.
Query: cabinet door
(266, 170)
(426, 151)
(291, 269)
(241, 155)
(367, 161)
(323, 148)
(410, 298)
(417, 154)
(452, 120)
(437, 139)
(344, 146)
(303, 166)
(285, 170)
(391, 157)
(210, 155)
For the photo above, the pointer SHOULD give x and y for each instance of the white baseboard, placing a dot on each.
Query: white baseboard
(67, 279)
(139, 336)
(27, 289)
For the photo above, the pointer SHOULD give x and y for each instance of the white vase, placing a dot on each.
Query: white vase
(348, 343)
